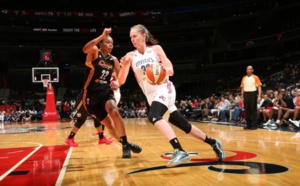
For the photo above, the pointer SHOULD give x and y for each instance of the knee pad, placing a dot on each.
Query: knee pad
(179, 121)
(96, 123)
(79, 122)
(156, 112)
(153, 118)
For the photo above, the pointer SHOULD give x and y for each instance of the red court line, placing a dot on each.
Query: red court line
(42, 168)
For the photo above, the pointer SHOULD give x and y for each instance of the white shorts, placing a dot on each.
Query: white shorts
(117, 96)
(166, 96)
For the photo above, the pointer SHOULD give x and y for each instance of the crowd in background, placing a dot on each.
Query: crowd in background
(225, 105)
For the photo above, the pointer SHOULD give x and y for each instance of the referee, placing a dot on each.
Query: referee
(251, 92)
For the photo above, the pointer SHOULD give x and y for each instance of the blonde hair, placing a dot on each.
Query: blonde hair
(150, 40)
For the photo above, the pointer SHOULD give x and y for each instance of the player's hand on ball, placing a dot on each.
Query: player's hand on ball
(156, 74)
(162, 67)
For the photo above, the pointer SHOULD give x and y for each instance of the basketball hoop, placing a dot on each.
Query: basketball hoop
(45, 82)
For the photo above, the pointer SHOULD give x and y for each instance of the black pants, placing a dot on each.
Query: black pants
(250, 105)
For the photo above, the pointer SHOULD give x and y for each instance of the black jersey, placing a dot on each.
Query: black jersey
(98, 73)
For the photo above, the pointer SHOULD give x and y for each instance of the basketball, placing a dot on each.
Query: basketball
(155, 74)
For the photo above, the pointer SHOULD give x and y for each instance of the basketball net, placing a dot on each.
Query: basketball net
(46, 83)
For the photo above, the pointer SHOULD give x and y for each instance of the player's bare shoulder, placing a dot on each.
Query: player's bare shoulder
(127, 59)
(114, 57)
(92, 54)
(129, 54)
(158, 49)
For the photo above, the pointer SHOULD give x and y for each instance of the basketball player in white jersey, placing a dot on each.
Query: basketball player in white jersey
(161, 98)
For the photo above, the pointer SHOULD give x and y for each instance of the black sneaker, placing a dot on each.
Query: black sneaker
(284, 123)
(217, 147)
(135, 148)
(126, 151)
(254, 127)
(247, 128)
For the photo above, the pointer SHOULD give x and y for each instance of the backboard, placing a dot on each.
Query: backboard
(40, 73)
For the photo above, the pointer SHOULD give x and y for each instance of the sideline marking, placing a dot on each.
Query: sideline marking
(64, 168)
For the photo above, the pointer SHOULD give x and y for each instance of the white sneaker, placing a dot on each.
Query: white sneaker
(273, 125)
(277, 121)
(267, 123)
(294, 122)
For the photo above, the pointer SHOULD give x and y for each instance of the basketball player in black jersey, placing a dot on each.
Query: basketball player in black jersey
(80, 114)
(98, 97)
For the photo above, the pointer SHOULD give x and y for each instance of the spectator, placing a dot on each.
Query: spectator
(224, 109)
(27, 116)
(274, 98)
(73, 103)
(286, 103)
(186, 109)
(231, 99)
(265, 108)
(237, 110)
(297, 110)
(142, 112)
(66, 110)
(125, 111)
(136, 110)
(195, 104)
(197, 110)
(2, 116)
(208, 105)
(131, 113)
(216, 110)
(260, 115)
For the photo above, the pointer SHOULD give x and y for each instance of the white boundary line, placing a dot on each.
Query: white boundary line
(19, 163)
(64, 168)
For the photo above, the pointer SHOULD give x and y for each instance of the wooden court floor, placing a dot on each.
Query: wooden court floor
(35, 154)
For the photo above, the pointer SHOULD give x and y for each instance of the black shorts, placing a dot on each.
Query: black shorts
(95, 102)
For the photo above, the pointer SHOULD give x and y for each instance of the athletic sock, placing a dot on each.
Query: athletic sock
(175, 144)
(72, 134)
(100, 135)
(209, 140)
(123, 140)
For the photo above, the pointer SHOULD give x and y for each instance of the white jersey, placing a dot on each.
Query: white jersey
(139, 64)
(163, 93)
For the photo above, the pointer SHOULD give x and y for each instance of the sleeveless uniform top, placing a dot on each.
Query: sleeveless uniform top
(139, 64)
(98, 73)
(97, 80)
